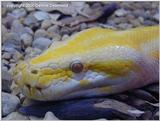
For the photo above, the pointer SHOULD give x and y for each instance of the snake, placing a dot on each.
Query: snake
(93, 62)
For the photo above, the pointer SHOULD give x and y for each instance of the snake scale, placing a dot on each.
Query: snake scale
(93, 62)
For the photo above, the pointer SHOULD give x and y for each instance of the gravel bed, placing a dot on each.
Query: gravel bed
(28, 31)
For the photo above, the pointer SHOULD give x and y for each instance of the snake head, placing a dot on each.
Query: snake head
(92, 62)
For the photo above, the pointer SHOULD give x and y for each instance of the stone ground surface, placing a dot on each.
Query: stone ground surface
(28, 31)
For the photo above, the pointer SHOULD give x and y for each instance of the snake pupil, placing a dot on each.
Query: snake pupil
(77, 67)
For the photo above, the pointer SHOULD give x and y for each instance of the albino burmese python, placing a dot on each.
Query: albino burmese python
(93, 62)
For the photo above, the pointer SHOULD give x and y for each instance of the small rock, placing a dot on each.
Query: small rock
(120, 12)
(9, 103)
(50, 116)
(32, 52)
(26, 39)
(17, 27)
(65, 37)
(45, 24)
(125, 26)
(6, 81)
(54, 16)
(156, 17)
(41, 15)
(30, 20)
(40, 33)
(4, 61)
(54, 28)
(12, 38)
(17, 56)
(4, 30)
(15, 116)
(34, 118)
(135, 22)
(83, 26)
(6, 55)
(19, 12)
(54, 36)
(149, 23)
(7, 21)
(12, 61)
(29, 30)
(42, 43)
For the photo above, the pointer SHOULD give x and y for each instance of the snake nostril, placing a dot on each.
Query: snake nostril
(28, 86)
(38, 88)
(34, 71)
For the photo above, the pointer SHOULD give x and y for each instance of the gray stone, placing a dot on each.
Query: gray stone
(30, 20)
(41, 15)
(19, 12)
(17, 27)
(120, 12)
(156, 16)
(125, 26)
(149, 23)
(9, 103)
(16, 116)
(12, 38)
(42, 43)
(6, 55)
(46, 24)
(6, 81)
(40, 33)
(26, 39)
(50, 116)
(29, 30)
(54, 28)
(4, 61)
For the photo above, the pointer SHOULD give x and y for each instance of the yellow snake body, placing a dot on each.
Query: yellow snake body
(113, 61)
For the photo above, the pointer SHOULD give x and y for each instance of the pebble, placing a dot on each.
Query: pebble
(35, 118)
(17, 27)
(17, 56)
(41, 15)
(4, 61)
(149, 23)
(8, 20)
(54, 28)
(40, 33)
(15, 116)
(156, 17)
(9, 103)
(65, 37)
(50, 116)
(42, 43)
(6, 81)
(46, 24)
(19, 12)
(29, 30)
(6, 55)
(12, 38)
(26, 39)
(125, 26)
(32, 52)
(120, 12)
(30, 20)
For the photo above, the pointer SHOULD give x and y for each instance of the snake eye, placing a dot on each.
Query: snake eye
(76, 66)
